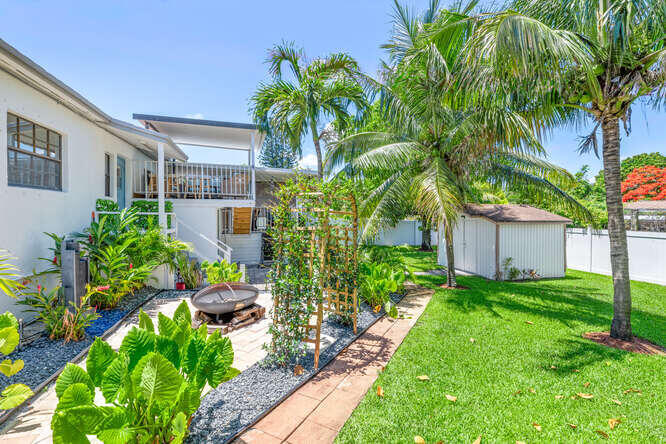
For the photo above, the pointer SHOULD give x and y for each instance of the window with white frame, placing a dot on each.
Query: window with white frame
(34, 155)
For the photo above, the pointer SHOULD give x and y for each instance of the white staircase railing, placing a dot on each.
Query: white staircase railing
(224, 250)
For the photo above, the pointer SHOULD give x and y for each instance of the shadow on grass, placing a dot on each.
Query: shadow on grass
(550, 299)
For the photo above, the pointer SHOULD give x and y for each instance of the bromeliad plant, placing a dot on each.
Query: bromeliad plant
(14, 394)
(221, 271)
(152, 385)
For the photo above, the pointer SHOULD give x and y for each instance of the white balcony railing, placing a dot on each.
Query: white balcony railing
(193, 180)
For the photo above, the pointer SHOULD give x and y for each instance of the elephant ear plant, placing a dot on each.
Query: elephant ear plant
(14, 394)
(151, 386)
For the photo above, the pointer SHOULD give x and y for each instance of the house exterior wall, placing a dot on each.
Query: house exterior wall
(246, 247)
(27, 212)
(196, 218)
(538, 246)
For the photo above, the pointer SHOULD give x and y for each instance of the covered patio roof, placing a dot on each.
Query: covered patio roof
(206, 133)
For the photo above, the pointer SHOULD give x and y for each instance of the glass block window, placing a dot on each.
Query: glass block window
(34, 155)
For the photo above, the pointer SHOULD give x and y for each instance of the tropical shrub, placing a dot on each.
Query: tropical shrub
(378, 281)
(14, 394)
(60, 321)
(112, 268)
(221, 271)
(152, 384)
(189, 271)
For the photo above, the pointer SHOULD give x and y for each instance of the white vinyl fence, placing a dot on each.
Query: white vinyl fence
(590, 251)
(406, 232)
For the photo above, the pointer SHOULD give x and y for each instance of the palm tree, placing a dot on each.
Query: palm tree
(434, 147)
(321, 89)
(582, 60)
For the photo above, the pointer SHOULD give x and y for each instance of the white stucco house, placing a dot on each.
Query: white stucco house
(486, 236)
(59, 153)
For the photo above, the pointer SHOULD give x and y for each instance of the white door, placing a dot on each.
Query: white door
(471, 228)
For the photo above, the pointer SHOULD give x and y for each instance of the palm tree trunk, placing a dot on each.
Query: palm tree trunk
(426, 236)
(315, 140)
(450, 263)
(619, 256)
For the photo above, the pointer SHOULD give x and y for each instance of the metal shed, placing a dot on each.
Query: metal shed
(486, 235)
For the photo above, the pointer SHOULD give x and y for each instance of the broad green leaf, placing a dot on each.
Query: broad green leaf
(202, 331)
(75, 395)
(192, 354)
(231, 374)
(179, 428)
(116, 428)
(9, 339)
(167, 327)
(101, 355)
(14, 395)
(7, 319)
(71, 426)
(159, 379)
(71, 375)
(137, 343)
(189, 398)
(145, 322)
(182, 314)
(9, 368)
(114, 378)
(169, 349)
(215, 361)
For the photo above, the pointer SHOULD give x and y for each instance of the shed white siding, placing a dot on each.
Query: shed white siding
(474, 246)
(538, 246)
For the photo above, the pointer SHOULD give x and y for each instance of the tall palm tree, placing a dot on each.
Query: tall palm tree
(321, 89)
(434, 147)
(582, 60)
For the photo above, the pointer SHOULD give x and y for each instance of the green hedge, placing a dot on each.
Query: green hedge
(142, 206)
(151, 206)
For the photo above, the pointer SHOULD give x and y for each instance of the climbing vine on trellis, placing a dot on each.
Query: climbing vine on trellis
(315, 265)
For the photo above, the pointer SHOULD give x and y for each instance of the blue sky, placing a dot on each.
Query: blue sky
(204, 59)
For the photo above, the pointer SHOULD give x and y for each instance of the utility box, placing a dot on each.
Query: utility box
(75, 273)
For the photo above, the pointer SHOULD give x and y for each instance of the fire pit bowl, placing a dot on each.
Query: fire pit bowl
(225, 297)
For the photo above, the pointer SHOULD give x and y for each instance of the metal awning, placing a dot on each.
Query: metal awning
(265, 174)
(206, 133)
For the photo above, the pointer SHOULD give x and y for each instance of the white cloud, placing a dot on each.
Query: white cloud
(308, 162)
(194, 116)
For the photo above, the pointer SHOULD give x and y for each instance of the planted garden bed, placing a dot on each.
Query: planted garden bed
(43, 356)
(237, 404)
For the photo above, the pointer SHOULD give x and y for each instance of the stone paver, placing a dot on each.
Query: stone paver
(33, 425)
(316, 412)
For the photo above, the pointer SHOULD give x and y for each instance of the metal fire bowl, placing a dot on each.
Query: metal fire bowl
(225, 297)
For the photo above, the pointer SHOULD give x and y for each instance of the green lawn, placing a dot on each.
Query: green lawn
(504, 381)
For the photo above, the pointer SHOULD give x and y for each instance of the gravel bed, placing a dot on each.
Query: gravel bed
(43, 356)
(175, 294)
(236, 404)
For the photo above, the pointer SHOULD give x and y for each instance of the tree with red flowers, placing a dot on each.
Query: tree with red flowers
(645, 183)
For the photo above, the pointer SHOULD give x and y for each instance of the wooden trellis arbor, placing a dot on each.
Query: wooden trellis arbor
(315, 267)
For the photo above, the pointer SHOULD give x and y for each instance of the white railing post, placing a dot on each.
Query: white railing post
(253, 186)
(160, 187)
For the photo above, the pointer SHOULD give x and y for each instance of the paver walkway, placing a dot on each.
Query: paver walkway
(316, 412)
